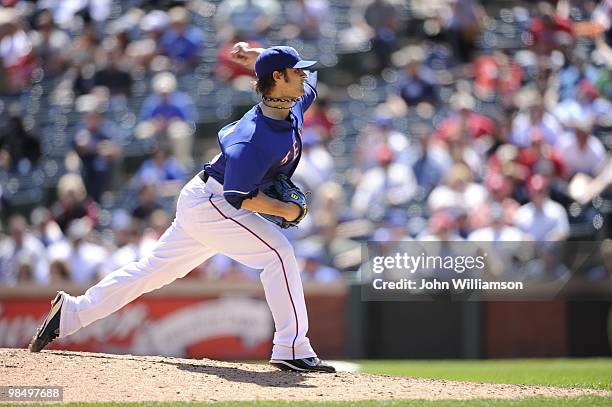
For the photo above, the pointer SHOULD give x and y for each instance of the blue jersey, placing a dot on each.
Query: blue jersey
(256, 148)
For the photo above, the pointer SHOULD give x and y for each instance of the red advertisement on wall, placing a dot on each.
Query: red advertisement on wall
(219, 328)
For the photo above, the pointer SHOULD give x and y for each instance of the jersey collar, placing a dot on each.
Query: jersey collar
(281, 124)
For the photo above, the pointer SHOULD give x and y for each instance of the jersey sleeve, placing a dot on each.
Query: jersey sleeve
(244, 170)
(310, 91)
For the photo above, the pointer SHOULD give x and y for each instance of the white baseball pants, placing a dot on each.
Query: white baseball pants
(206, 224)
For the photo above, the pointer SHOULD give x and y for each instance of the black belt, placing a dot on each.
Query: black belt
(203, 176)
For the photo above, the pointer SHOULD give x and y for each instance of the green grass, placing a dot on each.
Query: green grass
(531, 402)
(588, 373)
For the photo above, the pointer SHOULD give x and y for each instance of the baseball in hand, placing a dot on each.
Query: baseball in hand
(242, 54)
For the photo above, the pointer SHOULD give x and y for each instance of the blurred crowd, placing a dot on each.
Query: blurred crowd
(436, 120)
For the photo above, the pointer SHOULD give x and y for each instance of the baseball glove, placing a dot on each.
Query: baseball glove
(285, 190)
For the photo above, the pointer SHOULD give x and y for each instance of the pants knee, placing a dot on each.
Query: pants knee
(285, 249)
(283, 255)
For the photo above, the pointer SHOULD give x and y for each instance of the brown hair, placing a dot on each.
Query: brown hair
(266, 83)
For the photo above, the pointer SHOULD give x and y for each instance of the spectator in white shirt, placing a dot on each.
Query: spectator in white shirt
(537, 117)
(65, 12)
(500, 241)
(458, 193)
(497, 231)
(380, 133)
(44, 228)
(127, 240)
(587, 103)
(542, 219)
(254, 18)
(307, 19)
(316, 165)
(22, 256)
(16, 56)
(388, 184)
(583, 152)
(441, 227)
(85, 261)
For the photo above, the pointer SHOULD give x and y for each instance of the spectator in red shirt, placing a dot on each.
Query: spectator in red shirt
(227, 69)
(549, 29)
(542, 158)
(16, 56)
(464, 117)
(500, 189)
(496, 74)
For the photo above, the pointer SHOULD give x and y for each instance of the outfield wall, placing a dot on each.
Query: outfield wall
(231, 320)
(185, 319)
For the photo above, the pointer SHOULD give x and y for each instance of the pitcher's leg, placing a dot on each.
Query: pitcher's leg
(257, 243)
(175, 255)
(282, 286)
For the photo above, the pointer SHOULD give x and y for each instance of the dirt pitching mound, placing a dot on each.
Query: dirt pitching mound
(88, 377)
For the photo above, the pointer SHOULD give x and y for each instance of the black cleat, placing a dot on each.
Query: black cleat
(49, 330)
(303, 365)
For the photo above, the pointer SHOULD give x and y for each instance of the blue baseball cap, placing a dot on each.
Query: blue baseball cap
(277, 58)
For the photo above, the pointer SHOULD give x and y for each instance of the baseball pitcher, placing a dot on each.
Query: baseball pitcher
(234, 207)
